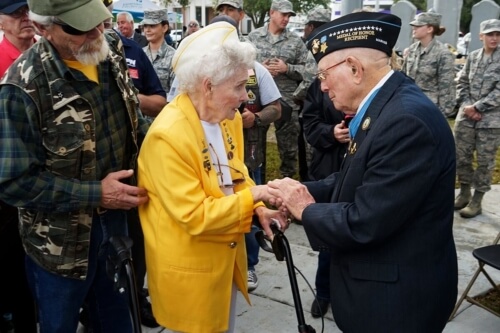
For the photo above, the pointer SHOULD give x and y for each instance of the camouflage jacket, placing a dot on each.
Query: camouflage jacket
(54, 173)
(479, 85)
(433, 70)
(162, 64)
(291, 49)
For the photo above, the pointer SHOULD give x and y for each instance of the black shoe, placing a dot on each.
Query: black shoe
(147, 318)
(319, 307)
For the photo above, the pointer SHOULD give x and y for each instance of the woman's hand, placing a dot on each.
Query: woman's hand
(268, 216)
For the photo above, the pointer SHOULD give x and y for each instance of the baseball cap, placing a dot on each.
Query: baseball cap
(427, 18)
(10, 6)
(363, 29)
(489, 26)
(238, 4)
(152, 17)
(283, 6)
(319, 15)
(83, 15)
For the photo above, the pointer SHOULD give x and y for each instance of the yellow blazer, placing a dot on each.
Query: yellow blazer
(194, 234)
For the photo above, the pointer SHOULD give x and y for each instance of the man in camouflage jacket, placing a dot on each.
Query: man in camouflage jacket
(70, 125)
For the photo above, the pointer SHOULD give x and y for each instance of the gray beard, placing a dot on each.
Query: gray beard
(93, 58)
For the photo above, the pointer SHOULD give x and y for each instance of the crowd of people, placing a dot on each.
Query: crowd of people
(109, 132)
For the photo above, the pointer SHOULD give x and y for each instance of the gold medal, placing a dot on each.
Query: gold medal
(352, 148)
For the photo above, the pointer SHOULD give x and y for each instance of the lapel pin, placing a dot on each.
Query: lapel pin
(352, 148)
(366, 124)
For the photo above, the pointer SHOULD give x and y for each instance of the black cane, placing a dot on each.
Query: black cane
(281, 249)
(122, 246)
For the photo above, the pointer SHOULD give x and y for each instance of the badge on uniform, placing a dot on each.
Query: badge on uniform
(352, 148)
(366, 124)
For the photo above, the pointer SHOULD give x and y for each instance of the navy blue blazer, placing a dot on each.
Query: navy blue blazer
(387, 218)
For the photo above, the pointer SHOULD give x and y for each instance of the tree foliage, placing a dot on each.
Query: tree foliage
(257, 10)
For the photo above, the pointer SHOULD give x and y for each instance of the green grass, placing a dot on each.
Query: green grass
(273, 161)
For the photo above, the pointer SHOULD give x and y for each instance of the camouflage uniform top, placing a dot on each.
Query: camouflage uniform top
(433, 69)
(479, 85)
(162, 64)
(62, 133)
(291, 49)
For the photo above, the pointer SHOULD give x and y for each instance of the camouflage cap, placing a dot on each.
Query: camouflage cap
(152, 17)
(83, 15)
(283, 6)
(427, 18)
(489, 26)
(319, 15)
(238, 4)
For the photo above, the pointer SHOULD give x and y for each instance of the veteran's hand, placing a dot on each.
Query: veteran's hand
(292, 194)
(117, 195)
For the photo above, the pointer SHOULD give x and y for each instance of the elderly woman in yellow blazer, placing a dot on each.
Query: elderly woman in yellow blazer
(201, 199)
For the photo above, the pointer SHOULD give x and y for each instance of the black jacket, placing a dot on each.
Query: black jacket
(319, 117)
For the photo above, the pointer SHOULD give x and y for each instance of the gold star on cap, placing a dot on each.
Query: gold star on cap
(324, 47)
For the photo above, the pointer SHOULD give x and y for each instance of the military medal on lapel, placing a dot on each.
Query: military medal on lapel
(352, 148)
(366, 124)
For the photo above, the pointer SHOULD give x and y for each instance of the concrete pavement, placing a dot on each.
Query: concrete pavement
(273, 310)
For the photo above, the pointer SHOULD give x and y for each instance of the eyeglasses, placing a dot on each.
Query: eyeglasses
(322, 74)
(192, 25)
(240, 179)
(18, 13)
(69, 29)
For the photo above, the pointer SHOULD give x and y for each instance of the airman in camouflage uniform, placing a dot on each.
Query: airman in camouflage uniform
(70, 138)
(477, 127)
(162, 57)
(286, 57)
(430, 63)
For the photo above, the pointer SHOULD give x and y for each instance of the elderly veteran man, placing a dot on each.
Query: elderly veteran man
(69, 126)
(477, 127)
(387, 216)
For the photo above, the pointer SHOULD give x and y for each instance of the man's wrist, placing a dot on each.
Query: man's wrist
(257, 122)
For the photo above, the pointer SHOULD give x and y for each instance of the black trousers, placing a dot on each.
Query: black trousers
(15, 294)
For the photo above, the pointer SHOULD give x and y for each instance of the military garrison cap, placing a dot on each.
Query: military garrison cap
(283, 6)
(152, 17)
(363, 29)
(319, 15)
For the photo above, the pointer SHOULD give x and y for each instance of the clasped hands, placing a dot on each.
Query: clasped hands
(275, 66)
(471, 112)
(290, 197)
